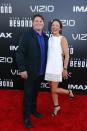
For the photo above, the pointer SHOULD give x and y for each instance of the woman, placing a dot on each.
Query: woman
(57, 63)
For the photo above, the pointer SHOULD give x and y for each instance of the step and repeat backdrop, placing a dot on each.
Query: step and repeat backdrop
(15, 19)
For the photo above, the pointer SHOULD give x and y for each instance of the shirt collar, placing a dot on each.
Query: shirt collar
(38, 33)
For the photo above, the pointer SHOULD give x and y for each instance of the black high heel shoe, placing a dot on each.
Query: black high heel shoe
(56, 110)
(71, 95)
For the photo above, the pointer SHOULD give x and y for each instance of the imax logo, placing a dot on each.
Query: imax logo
(6, 35)
(42, 8)
(79, 9)
(77, 87)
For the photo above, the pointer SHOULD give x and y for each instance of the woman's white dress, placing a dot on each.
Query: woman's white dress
(54, 67)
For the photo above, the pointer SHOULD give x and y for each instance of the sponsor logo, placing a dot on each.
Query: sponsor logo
(44, 85)
(6, 8)
(6, 35)
(17, 22)
(6, 60)
(70, 23)
(42, 8)
(82, 9)
(13, 48)
(6, 83)
(77, 87)
(78, 63)
(71, 51)
(14, 72)
(48, 34)
(79, 36)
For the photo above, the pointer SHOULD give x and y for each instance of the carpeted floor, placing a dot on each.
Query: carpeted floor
(72, 117)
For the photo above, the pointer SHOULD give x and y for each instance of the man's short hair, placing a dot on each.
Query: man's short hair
(37, 15)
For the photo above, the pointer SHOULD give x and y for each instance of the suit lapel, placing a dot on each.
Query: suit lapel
(35, 38)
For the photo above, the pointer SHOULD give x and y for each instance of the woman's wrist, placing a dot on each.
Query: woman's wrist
(65, 69)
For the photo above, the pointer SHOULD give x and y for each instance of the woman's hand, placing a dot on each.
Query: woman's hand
(65, 74)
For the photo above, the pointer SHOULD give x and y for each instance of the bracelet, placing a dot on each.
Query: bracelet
(65, 68)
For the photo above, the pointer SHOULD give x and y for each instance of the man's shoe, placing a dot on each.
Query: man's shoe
(27, 123)
(36, 114)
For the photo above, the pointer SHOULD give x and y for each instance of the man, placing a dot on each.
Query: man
(31, 60)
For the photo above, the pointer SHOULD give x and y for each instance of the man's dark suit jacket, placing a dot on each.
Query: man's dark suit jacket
(28, 55)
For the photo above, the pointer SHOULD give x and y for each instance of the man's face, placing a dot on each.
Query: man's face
(38, 24)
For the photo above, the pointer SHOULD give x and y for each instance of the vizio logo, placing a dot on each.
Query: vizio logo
(42, 8)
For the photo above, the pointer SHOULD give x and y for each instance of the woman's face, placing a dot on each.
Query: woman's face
(55, 28)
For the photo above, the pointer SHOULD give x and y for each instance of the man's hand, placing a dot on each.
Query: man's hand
(24, 75)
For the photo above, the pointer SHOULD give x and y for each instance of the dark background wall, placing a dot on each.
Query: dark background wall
(15, 18)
